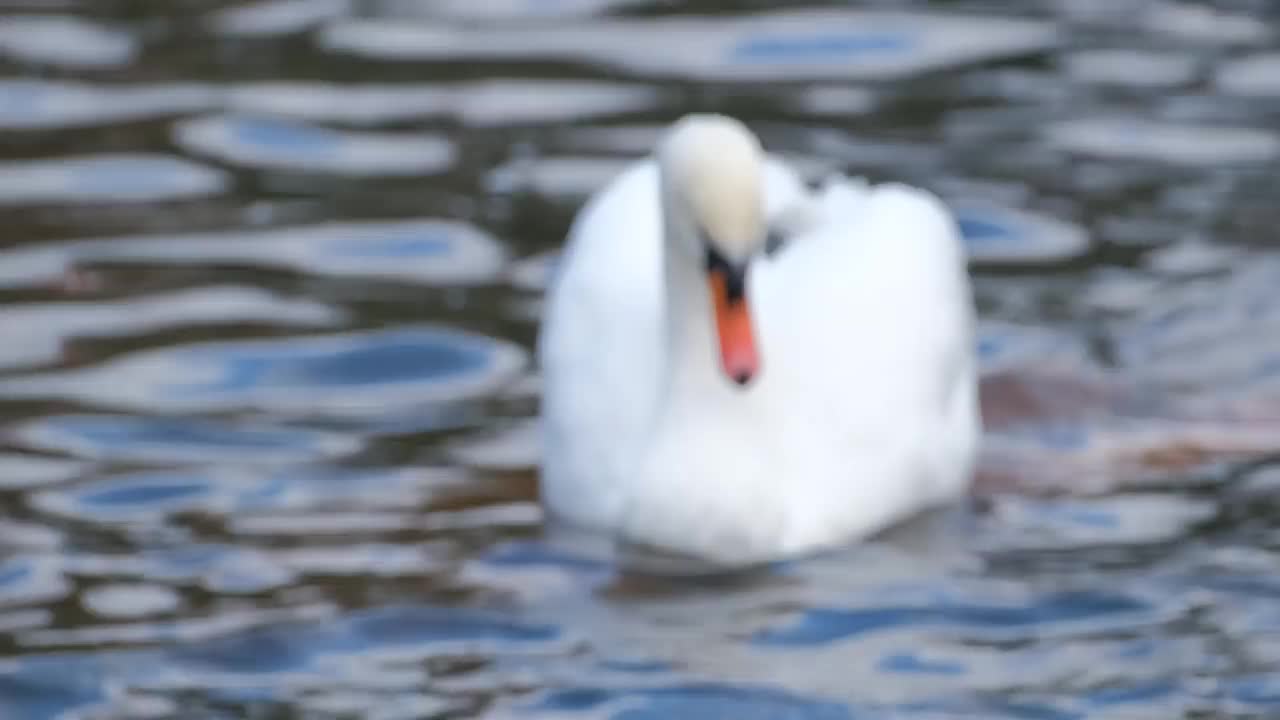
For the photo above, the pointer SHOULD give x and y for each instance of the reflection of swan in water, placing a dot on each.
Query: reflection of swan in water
(1125, 437)
(706, 395)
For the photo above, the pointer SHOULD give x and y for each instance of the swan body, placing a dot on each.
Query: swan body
(843, 396)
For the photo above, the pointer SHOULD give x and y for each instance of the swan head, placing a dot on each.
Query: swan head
(712, 170)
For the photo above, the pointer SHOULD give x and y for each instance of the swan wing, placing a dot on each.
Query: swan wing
(869, 322)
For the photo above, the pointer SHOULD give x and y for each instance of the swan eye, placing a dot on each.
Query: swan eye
(774, 241)
(735, 276)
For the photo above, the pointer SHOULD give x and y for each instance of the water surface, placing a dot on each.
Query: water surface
(271, 274)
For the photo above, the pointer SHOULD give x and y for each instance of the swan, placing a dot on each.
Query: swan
(741, 370)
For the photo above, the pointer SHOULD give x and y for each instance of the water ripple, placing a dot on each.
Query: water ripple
(47, 688)
(182, 631)
(135, 600)
(1164, 142)
(1089, 609)
(1251, 76)
(513, 448)
(1209, 334)
(125, 438)
(295, 645)
(274, 144)
(811, 44)
(49, 328)
(1203, 25)
(572, 177)
(1112, 521)
(268, 18)
(64, 41)
(690, 701)
(109, 178)
(27, 471)
(1131, 68)
(319, 486)
(249, 467)
(429, 251)
(29, 104)
(357, 373)
(1000, 235)
(148, 497)
(228, 570)
(361, 559)
(490, 103)
(502, 10)
(1003, 346)
(837, 101)
(31, 580)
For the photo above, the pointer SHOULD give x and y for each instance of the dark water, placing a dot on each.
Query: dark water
(270, 276)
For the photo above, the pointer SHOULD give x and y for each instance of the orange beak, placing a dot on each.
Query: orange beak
(738, 354)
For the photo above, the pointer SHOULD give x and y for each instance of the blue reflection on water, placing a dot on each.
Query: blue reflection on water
(1061, 435)
(393, 361)
(379, 359)
(1261, 690)
(240, 667)
(142, 176)
(268, 142)
(150, 492)
(998, 234)
(978, 230)
(1140, 693)
(830, 46)
(412, 625)
(133, 496)
(534, 554)
(113, 430)
(49, 687)
(636, 666)
(407, 242)
(296, 647)
(13, 572)
(1001, 345)
(820, 626)
(124, 437)
(274, 134)
(24, 98)
(710, 701)
(915, 665)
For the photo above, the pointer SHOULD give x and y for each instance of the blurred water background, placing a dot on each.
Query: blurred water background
(270, 278)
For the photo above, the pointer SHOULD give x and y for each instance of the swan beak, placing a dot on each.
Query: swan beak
(738, 354)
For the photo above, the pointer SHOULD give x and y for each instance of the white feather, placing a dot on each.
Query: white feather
(865, 409)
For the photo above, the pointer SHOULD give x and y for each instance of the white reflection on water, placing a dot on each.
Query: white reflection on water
(427, 251)
(282, 145)
(65, 40)
(486, 103)
(46, 329)
(780, 45)
(1183, 144)
(31, 104)
(1252, 75)
(107, 178)
(253, 469)
(376, 373)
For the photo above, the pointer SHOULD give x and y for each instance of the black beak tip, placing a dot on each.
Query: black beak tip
(743, 377)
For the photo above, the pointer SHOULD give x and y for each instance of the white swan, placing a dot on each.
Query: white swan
(704, 396)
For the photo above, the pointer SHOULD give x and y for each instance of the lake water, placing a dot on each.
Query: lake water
(270, 278)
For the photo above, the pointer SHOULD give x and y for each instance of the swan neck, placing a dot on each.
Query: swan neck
(690, 326)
